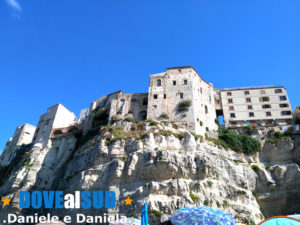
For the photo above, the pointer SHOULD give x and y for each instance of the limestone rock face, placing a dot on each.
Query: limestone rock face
(167, 172)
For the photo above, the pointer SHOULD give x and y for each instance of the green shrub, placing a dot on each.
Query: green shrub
(164, 116)
(255, 168)
(133, 214)
(165, 132)
(100, 117)
(184, 106)
(271, 140)
(277, 134)
(129, 119)
(218, 204)
(210, 183)
(252, 222)
(179, 135)
(225, 203)
(122, 158)
(158, 213)
(206, 202)
(201, 123)
(152, 122)
(207, 129)
(240, 143)
(194, 197)
(268, 167)
(217, 121)
(255, 194)
(197, 136)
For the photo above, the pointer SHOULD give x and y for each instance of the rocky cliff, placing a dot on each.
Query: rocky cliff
(161, 165)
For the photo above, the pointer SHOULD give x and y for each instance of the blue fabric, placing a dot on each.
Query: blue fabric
(201, 216)
(144, 215)
(281, 221)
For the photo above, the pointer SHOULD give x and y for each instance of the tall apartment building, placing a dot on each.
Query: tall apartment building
(177, 85)
(264, 106)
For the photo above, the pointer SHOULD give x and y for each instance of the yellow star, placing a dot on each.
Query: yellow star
(128, 201)
(5, 201)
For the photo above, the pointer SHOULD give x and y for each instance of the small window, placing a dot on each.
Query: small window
(283, 98)
(248, 99)
(145, 101)
(251, 114)
(230, 100)
(133, 100)
(268, 114)
(284, 105)
(229, 93)
(159, 82)
(181, 95)
(155, 96)
(277, 91)
(27, 133)
(206, 109)
(174, 82)
(265, 99)
(286, 113)
(250, 107)
(266, 106)
(263, 92)
(231, 108)
(165, 96)
(247, 93)
(122, 102)
(184, 82)
(155, 106)
(233, 123)
(201, 90)
(232, 115)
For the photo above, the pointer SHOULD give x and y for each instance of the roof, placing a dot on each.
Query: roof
(251, 88)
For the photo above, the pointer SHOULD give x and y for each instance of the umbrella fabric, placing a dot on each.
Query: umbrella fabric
(201, 216)
(281, 220)
(130, 221)
(144, 215)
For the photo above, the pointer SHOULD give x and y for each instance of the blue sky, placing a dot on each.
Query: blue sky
(74, 51)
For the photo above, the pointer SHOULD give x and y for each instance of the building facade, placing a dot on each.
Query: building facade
(23, 135)
(179, 86)
(57, 116)
(263, 106)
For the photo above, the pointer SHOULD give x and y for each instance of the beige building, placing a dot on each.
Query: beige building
(180, 94)
(57, 116)
(264, 106)
(23, 135)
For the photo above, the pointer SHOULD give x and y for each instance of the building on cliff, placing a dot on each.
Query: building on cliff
(23, 135)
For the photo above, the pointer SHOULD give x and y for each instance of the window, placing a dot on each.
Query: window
(206, 109)
(174, 82)
(263, 92)
(268, 114)
(286, 113)
(122, 103)
(251, 114)
(266, 106)
(233, 123)
(155, 96)
(247, 93)
(184, 82)
(133, 100)
(181, 95)
(250, 107)
(229, 94)
(282, 98)
(165, 96)
(218, 101)
(155, 106)
(232, 115)
(248, 99)
(201, 90)
(230, 100)
(264, 99)
(158, 82)
(277, 91)
(284, 105)
(231, 108)
(145, 101)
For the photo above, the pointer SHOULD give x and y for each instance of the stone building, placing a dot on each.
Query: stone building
(57, 116)
(180, 94)
(23, 135)
(297, 115)
(263, 106)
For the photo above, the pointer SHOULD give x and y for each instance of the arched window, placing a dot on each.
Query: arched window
(159, 82)
(122, 103)
(145, 101)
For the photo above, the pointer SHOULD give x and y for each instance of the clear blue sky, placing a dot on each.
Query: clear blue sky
(74, 51)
